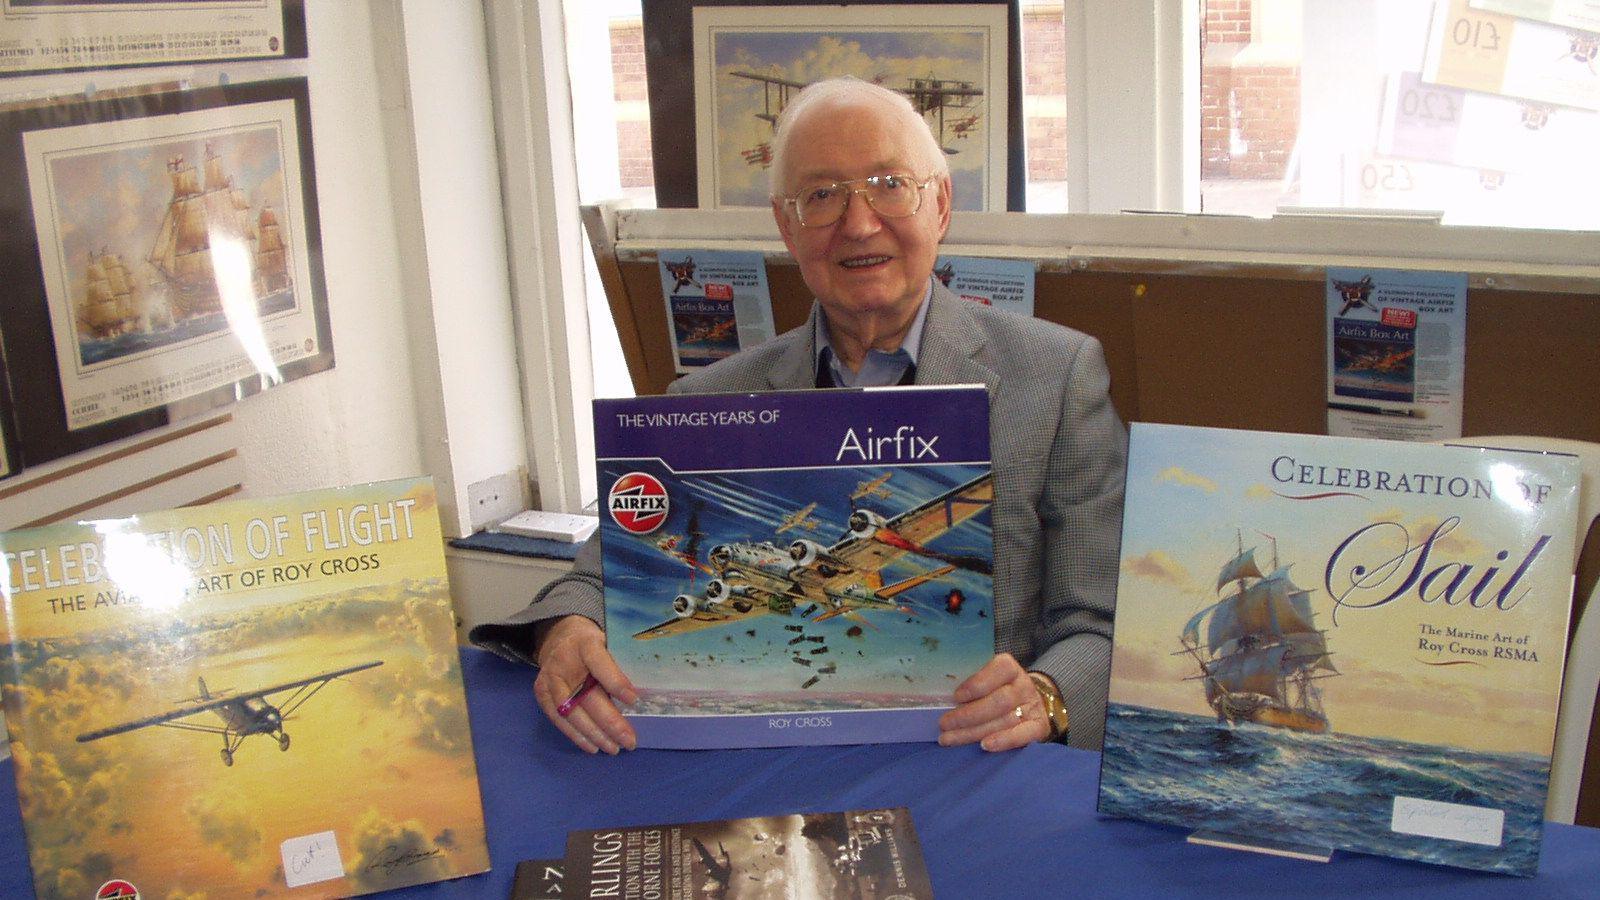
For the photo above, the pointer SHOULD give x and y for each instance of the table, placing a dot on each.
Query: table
(1010, 825)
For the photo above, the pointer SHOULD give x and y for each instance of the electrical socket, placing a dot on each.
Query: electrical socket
(493, 500)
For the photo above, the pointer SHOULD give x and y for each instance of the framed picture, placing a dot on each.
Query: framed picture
(163, 257)
(64, 35)
(729, 67)
(8, 442)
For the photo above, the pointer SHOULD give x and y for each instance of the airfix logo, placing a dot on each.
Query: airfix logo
(117, 889)
(638, 502)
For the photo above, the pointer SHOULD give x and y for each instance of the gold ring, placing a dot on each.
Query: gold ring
(1017, 712)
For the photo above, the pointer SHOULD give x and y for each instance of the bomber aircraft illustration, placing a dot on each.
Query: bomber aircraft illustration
(242, 714)
(844, 579)
(800, 518)
(873, 488)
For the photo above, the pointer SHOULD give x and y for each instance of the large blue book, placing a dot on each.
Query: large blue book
(800, 567)
(1340, 643)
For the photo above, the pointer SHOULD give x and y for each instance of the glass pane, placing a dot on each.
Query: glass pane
(1440, 106)
(1044, 104)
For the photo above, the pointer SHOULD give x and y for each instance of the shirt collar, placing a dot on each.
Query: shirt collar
(879, 368)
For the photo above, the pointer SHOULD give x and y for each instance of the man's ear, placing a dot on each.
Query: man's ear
(942, 196)
(785, 226)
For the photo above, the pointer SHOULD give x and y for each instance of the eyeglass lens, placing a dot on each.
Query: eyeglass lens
(893, 195)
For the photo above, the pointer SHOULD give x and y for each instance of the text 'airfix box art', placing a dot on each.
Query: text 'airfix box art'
(1340, 643)
(801, 567)
(241, 699)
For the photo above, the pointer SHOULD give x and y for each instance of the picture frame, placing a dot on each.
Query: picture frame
(681, 43)
(163, 253)
(42, 36)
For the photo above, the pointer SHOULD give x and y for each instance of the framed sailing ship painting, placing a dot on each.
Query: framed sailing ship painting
(63, 35)
(1340, 643)
(173, 263)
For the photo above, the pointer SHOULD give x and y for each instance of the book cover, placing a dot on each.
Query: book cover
(252, 698)
(866, 854)
(1341, 643)
(540, 879)
(800, 567)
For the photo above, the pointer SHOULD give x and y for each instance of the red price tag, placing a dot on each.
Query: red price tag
(1400, 318)
(719, 291)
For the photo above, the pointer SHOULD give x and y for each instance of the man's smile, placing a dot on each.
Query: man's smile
(862, 262)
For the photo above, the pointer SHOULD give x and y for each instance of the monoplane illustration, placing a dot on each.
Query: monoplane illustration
(927, 95)
(800, 518)
(874, 488)
(242, 714)
(755, 578)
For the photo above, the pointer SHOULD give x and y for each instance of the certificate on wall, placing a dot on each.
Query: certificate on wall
(61, 35)
(174, 261)
(1484, 51)
(949, 60)
(1583, 14)
(1483, 131)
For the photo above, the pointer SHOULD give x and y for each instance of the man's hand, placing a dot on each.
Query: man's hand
(987, 705)
(573, 648)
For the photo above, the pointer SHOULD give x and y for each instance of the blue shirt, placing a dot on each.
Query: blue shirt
(878, 369)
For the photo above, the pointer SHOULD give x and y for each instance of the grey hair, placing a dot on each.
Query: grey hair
(848, 91)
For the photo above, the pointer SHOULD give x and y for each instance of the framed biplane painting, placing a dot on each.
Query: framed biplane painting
(730, 67)
(162, 256)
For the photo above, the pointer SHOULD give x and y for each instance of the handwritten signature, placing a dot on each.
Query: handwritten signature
(392, 857)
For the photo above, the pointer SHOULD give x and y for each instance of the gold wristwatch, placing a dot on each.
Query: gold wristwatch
(1055, 708)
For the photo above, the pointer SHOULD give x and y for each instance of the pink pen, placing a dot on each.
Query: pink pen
(571, 703)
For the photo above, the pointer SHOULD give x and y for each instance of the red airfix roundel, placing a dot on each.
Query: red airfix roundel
(117, 889)
(638, 502)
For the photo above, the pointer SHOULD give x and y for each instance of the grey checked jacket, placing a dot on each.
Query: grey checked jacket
(1059, 457)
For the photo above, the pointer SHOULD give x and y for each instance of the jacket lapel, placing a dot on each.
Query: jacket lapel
(796, 368)
(951, 343)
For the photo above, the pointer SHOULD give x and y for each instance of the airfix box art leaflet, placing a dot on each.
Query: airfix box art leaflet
(253, 698)
(867, 854)
(801, 567)
(1340, 643)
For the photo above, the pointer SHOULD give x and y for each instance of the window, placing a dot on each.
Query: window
(1333, 104)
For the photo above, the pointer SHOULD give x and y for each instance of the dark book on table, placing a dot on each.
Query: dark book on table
(539, 879)
(865, 854)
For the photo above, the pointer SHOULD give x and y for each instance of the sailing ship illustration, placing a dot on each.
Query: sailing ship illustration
(1263, 653)
(206, 210)
(114, 302)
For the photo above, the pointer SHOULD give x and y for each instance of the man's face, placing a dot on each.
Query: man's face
(863, 264)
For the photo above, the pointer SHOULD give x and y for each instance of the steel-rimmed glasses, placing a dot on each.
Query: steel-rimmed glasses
(893, 195)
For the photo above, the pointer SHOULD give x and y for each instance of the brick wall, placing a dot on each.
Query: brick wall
(1044, 74)
(1261, 102)
(633, 127)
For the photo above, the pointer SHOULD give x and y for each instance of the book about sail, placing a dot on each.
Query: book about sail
(255, 698)
(1341, 643)
(800, 567)
(868, 854)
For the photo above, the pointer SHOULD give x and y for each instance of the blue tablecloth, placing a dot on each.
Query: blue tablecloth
(1010, 825)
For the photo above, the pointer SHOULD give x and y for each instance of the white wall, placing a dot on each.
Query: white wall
(359, 421)
(414, 250)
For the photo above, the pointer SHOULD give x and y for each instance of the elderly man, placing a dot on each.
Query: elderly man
(861, 192)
